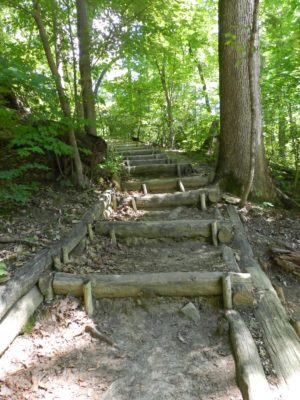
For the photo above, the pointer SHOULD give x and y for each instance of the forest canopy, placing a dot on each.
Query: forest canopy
(154, 75)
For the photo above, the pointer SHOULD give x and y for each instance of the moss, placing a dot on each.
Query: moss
(29, 325)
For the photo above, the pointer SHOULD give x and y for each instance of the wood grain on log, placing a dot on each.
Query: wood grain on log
(280, 338)
(250, 374)
(192, 197)
(169, 184)
(159, 229)
(135, 285)
(15, 319)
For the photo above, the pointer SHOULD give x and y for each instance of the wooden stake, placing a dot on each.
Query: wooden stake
(57, 263)
(88, 298)
(144, 189)
(214, 233)
(90, 232)
(180, 185)
(114, 201)
(178, 170)
(227, 292)
(133, 204)
(203, 201)
(113, 238)
(65, 255)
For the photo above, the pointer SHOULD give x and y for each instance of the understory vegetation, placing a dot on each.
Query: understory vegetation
(154, 71)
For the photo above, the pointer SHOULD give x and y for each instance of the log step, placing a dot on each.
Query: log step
(145, 284)
(133, 163)
(156, 156)
(163, 169)
(170, 184)
(192, 197)
(176, 229)
(138, 151)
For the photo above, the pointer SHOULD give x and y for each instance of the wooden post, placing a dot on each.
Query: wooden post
(203, 201)
(180, 186)
(178, 170)
(88, 298)
(90, 232)
(214, 233)
(133, 204)
(113, 238)
(114, 201)
(227, 292)
(57, 263)
(65, 255)
(144, 189)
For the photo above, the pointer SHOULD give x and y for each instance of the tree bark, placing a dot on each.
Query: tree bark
(234, 162)
(64, 102)
(85, 68)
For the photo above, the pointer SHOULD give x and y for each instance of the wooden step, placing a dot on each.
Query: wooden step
(146, 284)
(175, 229)
(156, 156)
(161, 169)
(137, 151)
(192, 197)
(169, 184)
(150, 161)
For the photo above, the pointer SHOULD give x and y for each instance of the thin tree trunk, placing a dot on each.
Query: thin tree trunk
(78, 102)
(85, 68)
(254, 100)
(202, 79)
(64, 102)
(281, 132)
(162, 74)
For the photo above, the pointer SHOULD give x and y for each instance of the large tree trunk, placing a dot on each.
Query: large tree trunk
(85, 68)
(64, 102)
(234, 163)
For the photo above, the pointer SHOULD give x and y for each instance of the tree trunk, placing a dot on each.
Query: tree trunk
(234, 162)
(85, 68)
(64, 102)
(162, 74)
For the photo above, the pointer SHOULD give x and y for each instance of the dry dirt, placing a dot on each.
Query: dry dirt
(162, 353)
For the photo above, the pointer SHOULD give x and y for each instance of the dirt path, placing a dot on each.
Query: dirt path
(166, 348)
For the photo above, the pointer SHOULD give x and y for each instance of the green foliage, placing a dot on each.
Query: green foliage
(3, 268)
(112, 164)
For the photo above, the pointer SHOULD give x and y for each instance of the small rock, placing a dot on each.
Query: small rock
(190, 311)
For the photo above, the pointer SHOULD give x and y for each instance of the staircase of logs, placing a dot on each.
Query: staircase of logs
(164, 188)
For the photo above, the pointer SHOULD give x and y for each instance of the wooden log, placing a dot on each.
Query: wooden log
(227, 292)
(160, 169)
(150, 161)
(28, 275)
(135, 152)
(114, 201)
(177, 199)
(157, 156)
(15, 319)
(225, 234)
(169, 184)
(88, 298)
(250, 374)
(45, 285)
(229, 258)
(137, 285)
(280, 338)
(158, 229)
